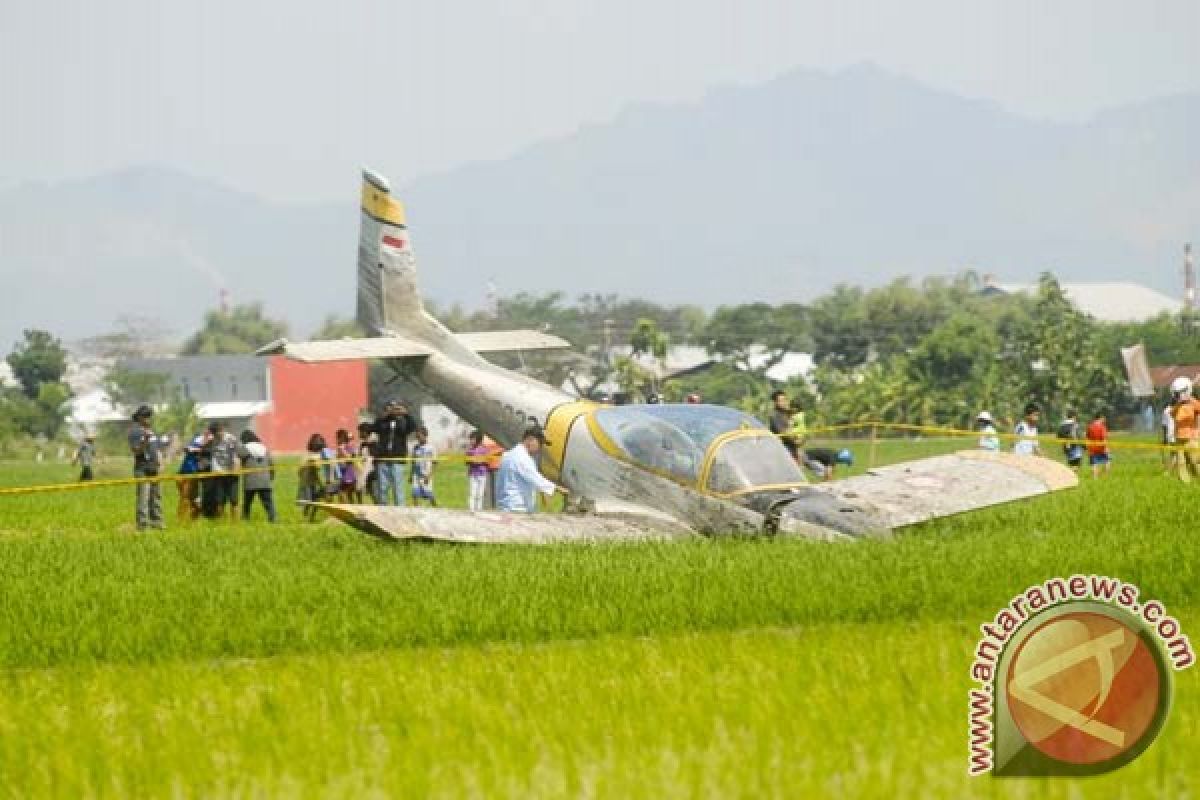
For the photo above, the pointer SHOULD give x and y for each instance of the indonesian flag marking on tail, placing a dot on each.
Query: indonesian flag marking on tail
(395, 240)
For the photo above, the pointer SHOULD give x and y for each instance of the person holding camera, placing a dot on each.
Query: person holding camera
(391, 452)
(146, 447)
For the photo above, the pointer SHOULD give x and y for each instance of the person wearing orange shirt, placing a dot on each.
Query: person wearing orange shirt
(1185, 410)
(494, 454)
(1097, 444)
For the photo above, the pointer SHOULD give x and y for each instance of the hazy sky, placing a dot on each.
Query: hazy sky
(287, 99)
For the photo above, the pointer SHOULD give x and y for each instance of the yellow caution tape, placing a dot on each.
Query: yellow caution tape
(872, 427)
(199, 476)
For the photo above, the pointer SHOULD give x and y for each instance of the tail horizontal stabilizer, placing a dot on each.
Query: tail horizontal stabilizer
(393, 346)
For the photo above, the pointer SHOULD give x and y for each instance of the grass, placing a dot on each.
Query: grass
(310, 660)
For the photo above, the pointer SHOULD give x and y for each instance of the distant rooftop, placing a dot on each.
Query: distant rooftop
(1107, 302)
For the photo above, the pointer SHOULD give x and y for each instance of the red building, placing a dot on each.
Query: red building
(283, 401)
(311, 398)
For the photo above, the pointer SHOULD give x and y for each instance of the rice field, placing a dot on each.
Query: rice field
(309, 660)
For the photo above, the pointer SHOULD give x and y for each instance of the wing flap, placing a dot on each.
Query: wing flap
(498, 527)
(916, 491)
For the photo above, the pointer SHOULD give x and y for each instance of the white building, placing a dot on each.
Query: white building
(1107, 302)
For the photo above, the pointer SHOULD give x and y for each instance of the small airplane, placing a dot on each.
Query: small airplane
(632, 471)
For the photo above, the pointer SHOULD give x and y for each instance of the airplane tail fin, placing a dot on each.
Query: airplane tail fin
(388, 300)
(389, 304)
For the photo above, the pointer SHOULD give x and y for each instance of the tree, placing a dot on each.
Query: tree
(757, 336)
(37, 416)
(339, 328)
(244, 329)
(39, 359)
(133, 336)
(131, 388)
(839, 328)
(1059, 358)
(178, 417)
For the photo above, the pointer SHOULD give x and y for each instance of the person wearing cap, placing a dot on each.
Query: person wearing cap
(824, 460)
(1070, 434)
(84, 456)
(391, 452)
(518, 479)
(147, 459)
(1185, 411)
(988, 440)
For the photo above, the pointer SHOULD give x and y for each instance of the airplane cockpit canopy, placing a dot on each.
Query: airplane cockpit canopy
(716, 449)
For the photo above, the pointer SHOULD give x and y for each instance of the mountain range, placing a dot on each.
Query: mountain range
(770, 192)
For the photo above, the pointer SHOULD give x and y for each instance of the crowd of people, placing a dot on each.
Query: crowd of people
(1076, 441)
(388, 462)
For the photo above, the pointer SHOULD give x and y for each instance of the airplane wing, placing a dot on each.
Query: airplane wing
(499, 527)
(916, 491)
(394, 346)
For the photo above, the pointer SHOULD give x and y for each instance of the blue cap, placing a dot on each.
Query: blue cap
(844, 456)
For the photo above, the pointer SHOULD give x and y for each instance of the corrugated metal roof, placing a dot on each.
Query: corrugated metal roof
(1110, 302)
(1162, 376)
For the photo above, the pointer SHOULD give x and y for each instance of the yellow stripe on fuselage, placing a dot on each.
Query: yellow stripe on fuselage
(557, 428)
(381, 205)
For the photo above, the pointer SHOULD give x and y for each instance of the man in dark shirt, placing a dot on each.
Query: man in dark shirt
(392, 431)
(781, 421)
(146, 447)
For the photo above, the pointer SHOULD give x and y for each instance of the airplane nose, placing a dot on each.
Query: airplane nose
(812, 512)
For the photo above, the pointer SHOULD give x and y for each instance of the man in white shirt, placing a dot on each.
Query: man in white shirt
(1027, 432)
(1167, 430)
(518, 479)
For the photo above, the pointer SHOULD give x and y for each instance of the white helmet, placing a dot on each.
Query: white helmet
(1181, 385)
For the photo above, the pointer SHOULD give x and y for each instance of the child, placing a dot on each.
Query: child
(1027, 432)
(1068, 431)
(331, 470)
(422, 469)
(368, 477)
(196, 462)
(348, 491)
(1097, 438)
(477, 472)
(311, 481)
(260, 471)
(84, 457)
(988, 440)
